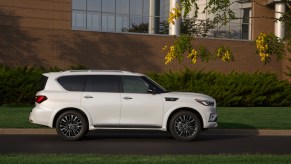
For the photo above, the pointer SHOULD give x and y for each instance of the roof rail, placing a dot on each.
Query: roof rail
(98, 71)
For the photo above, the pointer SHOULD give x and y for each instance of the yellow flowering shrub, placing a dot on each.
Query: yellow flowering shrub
(262, 47)
(176, 51)
(268, 45)
(171, 55)
(193, 56)
(224, 54)
(174, 14)
(183, 46)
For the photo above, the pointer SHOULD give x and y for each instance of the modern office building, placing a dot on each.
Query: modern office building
(127, 34)
(119, 15)
(150, 16)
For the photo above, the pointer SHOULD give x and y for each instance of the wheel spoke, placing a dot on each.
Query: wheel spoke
(185, 126)
(70, 125)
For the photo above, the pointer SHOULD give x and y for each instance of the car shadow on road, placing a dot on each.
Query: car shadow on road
(149, 135)
(126, 135)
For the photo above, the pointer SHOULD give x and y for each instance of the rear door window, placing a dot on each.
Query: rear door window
(72, 83)
(102, 83)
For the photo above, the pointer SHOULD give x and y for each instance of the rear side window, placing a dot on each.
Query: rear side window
(102, 83)
(42, 83)
(72, 83)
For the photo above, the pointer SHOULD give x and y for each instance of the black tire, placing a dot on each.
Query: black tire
(185, 126)
(72, 125)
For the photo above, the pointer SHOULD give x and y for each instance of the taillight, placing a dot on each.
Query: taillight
(40, 99)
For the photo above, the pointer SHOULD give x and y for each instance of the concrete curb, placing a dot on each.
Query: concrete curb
(244, 132)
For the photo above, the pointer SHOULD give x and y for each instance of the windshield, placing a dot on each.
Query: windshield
(157, 86)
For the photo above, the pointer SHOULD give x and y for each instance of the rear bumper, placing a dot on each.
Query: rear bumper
(40, 116)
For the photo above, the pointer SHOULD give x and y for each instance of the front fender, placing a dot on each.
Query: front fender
(168, 113)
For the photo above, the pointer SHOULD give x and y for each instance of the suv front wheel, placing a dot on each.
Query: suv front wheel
(185, 126)
(71, 125)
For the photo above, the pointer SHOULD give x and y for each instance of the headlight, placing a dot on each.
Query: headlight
(205, 102)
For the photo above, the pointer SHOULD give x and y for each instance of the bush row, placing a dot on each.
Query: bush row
(234, 89)
(19, 85)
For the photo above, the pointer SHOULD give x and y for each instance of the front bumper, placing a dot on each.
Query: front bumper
(212, 121)
(213, 117)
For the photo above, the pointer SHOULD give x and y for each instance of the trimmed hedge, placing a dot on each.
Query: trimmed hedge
(234, 89)
(19, 85)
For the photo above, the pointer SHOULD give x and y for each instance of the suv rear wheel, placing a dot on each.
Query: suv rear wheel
(185, 126)
(71, 125)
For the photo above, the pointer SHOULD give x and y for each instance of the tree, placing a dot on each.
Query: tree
(267, 44)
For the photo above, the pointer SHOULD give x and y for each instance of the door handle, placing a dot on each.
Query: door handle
(127, 98)
(88, 97)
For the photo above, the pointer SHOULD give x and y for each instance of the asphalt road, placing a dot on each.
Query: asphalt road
(148, 143)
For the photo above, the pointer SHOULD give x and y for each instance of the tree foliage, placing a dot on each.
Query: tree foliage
(267, 44)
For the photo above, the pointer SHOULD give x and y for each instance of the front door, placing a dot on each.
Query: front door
(139, 108)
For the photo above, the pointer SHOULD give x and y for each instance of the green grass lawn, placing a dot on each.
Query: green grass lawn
(229, 117)
(254, 117)
(16, 117)
(91, 158)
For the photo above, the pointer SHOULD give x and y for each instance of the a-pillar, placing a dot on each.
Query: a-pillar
(174, 29)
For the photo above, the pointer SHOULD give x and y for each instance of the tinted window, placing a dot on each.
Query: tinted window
(42, 83)
(122, 6)
(94, 21)
(136, 7)
(79, 19)
(155, 85)
(79, 4)
(72, 83)
(94, 5)
(134, 85)
(102, 83)
(108, 6)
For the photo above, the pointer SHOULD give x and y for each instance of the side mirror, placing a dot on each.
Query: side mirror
(151, 90)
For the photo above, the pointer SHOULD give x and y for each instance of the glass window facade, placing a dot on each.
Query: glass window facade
(235, 29)
(203, 26)
(118, 15)
(150, 16)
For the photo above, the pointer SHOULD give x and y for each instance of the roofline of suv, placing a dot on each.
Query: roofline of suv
(112, 72)
(120, 71)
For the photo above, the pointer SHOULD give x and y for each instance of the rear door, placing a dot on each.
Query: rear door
(101, 97)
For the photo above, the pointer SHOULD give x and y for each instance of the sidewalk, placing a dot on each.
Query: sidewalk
(247, 132)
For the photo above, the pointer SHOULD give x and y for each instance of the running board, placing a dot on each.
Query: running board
(129, 126)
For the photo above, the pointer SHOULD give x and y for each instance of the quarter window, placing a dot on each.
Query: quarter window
(43, 83)
(72, 83)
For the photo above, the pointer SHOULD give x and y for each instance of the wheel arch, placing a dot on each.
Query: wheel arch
(68, 109)
(185, 109)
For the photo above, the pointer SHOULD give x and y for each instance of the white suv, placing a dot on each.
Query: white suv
(75, 102)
